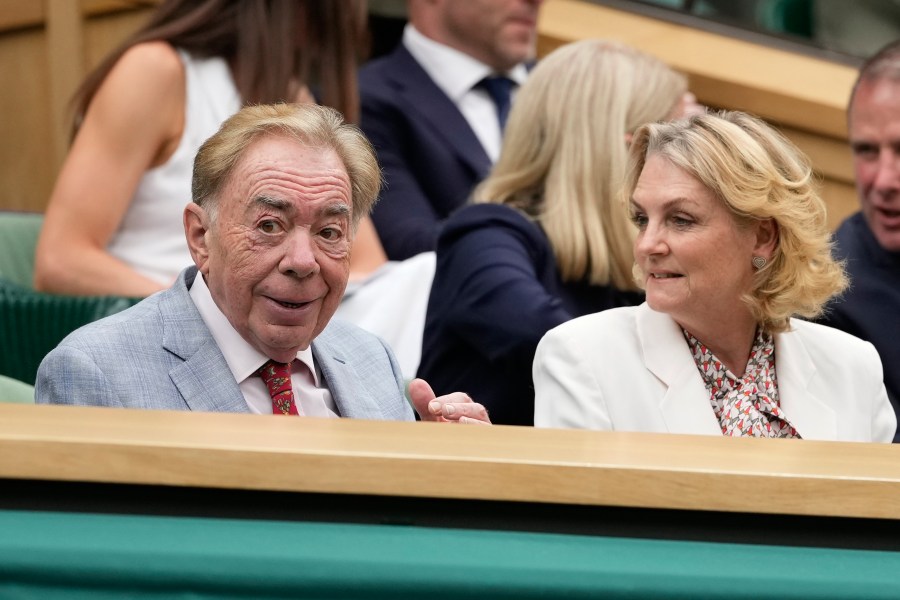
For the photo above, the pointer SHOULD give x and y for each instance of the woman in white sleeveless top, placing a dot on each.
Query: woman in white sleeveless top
(113, 225)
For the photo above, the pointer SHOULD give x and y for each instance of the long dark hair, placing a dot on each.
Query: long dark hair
(273, 46)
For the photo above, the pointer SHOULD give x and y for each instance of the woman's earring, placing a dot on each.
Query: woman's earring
(759, 262)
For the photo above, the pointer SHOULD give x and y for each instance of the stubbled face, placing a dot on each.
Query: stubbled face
(875, 140)
(276, 259)
(694, 259)
(499, 33)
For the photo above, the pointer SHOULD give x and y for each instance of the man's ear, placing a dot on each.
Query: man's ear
(766, 238)
(196, 228)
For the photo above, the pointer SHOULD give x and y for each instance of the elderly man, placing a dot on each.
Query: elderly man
(277, 194)
(870, 239)
(434, 109)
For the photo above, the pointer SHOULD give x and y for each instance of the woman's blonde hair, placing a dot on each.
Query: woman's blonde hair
(564, 152)
(758, 174)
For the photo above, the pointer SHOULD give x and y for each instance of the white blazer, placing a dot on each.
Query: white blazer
(630, 369)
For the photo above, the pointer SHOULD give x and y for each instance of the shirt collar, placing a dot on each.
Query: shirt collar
(243, 359)
(714, 372)
(454, 72)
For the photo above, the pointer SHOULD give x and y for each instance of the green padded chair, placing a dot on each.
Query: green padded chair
(32, 324)
(12, 390)
(18, 238)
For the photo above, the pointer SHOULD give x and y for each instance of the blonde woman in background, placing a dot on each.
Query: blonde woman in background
(732, 243)
(546, 238)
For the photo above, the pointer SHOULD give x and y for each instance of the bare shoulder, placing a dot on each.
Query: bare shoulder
(147, 75)
(141, 102)
(152, 59)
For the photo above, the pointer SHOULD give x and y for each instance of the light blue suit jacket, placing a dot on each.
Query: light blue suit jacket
(159, 354)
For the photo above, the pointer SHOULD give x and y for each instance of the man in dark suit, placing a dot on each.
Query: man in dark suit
(434, 110)
(869, 240)
(277, 194)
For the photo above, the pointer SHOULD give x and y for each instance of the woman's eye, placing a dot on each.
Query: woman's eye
(269, 226)
(682, 221)
(639, 219)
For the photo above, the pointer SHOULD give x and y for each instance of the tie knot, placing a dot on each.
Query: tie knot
(277, 377)
(499, 88)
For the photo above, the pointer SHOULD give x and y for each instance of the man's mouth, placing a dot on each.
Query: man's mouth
(291, 304)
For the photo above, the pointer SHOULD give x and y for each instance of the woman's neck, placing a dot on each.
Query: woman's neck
(729, 341)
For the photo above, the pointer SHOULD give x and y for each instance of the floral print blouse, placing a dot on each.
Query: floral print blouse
(746, 406)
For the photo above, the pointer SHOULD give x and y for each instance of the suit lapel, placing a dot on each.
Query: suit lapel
(203, 378)
(685, 406)
(352, 399)
(434, 107)
(812, 418)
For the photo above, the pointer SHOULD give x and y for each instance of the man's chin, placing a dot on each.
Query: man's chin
(888, 237)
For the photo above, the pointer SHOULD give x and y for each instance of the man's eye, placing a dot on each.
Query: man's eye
(331, 233)
(269, 226)
(865, 151)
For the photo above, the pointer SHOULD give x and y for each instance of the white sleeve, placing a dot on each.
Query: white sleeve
(566, 385)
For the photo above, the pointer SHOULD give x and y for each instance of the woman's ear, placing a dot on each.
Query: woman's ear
(766, 238)
(628, 137)
(196, 226)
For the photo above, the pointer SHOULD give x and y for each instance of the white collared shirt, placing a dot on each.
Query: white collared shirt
(313, 398)
(456, 73)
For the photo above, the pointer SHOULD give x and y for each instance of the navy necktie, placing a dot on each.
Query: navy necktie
(499, 88)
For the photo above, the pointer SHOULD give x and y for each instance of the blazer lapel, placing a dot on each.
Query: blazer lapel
(350, 396)
(203, 379)
(685, 406)
(794, 369)
(435, 108)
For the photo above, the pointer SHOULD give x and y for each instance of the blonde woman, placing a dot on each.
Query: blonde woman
(546, 238)
(732, 244)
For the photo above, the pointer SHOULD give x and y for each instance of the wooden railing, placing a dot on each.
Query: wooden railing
(426, 460)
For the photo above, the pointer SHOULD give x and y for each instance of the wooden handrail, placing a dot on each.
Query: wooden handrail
(444, 461)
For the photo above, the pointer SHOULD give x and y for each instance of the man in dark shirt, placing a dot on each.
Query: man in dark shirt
(870, 240)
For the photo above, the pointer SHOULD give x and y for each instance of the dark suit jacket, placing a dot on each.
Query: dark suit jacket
(868, 309)
(430, 156)
(496, 292)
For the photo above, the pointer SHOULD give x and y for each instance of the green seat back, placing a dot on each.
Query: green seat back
(18, 238)
(32, 324)
(13, 390)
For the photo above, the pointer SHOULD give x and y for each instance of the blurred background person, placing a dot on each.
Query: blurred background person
(547, 238)
(869, 241)
(113, 225)
(732, 243)
(434, 109)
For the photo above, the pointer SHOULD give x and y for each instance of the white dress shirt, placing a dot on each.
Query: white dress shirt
(312, 397)
(456, 74)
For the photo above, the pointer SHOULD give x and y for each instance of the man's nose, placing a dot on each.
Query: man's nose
(300, 257)
(887, 178)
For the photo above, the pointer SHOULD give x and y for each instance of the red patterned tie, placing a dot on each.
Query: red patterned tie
(277, 377)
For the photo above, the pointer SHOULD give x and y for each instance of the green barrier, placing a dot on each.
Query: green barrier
(73, 556)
